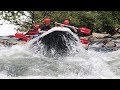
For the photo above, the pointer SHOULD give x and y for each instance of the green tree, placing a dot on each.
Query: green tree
(97, 21)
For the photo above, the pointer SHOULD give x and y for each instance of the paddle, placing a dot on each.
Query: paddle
(21, 36)
(83, 29)
(33, 30)
(66, 25)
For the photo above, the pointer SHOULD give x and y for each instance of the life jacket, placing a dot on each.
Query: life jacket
(35, 28)
(32, 32)
(84, 41)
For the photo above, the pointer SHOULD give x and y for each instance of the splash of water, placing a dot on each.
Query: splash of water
(20, 62)
(57, 41)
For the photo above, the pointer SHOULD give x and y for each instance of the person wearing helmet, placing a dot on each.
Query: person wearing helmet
(36, 26)
(66, 23)
(84, 35)
(33, 31)
(45, 26)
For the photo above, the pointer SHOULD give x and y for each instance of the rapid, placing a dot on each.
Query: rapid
(19, 62)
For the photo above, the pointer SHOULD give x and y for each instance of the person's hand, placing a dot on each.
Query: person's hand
(75, 31)
(61, 25)
(42, 31)
(72, 27)
(55, 23)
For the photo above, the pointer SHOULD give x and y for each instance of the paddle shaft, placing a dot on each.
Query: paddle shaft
(67, 25)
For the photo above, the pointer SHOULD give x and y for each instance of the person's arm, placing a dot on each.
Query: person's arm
(73, 28)
(41, 31)
(55, 23)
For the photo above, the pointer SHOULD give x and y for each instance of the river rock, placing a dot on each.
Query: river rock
(99, 35)
(116, 36)
(107, 42)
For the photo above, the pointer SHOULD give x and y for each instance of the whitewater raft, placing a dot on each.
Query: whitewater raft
(58, 40)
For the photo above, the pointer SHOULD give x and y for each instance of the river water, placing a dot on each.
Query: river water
(19, 62)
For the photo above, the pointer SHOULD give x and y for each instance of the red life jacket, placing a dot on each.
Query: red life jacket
(33, 32)
(84, 41)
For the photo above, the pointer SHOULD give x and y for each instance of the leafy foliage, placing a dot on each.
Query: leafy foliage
(97, 21)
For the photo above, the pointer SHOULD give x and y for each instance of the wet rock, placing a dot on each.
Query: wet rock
(107, 42)
(116, 36)
(99, 35)
(110, 44)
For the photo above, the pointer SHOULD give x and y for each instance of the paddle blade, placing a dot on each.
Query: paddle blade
(19, 35)
(85, 30)
(84, 41)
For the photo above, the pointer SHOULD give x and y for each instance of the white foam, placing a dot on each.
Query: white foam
(22, 64)
(7, 29)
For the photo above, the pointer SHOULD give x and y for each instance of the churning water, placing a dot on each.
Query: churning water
(21, 63)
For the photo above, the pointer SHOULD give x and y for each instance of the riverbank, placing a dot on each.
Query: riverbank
(99, 37)
(105, 39)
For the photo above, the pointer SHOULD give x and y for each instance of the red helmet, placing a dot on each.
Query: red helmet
(66, 22)
(36, 26)
(47, 20)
